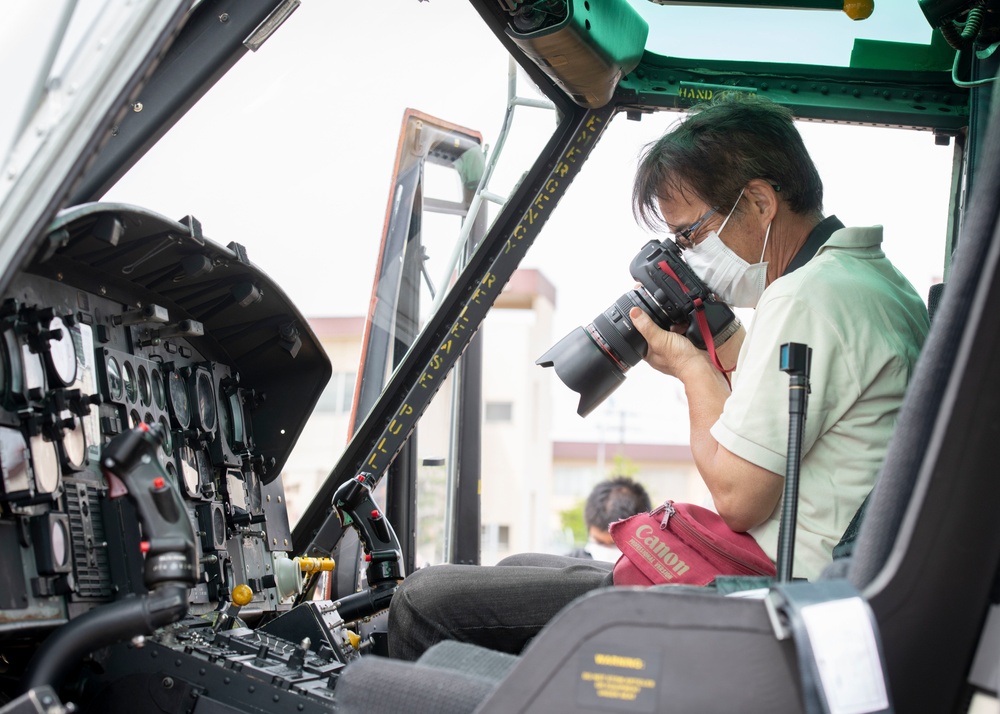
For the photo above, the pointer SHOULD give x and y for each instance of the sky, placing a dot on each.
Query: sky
(291, 155)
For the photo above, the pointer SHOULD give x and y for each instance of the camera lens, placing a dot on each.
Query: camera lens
(592, 360)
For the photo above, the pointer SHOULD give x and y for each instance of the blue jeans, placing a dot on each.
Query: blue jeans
(500, 607)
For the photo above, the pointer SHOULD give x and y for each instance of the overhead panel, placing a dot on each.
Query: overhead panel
(587, 50)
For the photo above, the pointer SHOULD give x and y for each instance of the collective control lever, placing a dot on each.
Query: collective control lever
(356, 507)
(129, 463)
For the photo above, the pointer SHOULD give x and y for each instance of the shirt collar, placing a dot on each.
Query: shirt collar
(817, 237)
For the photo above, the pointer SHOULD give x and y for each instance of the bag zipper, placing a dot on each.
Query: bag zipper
(669, 511)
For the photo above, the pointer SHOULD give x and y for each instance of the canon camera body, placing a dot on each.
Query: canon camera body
(593, 360)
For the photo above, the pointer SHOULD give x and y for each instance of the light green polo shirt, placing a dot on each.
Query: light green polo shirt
(865, 324)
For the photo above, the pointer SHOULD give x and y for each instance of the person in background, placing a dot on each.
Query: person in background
(610, 500)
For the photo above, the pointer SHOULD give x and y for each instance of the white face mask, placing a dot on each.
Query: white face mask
(733, 279)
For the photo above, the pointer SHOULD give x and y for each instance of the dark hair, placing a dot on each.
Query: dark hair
(718, 149)
(613, 500)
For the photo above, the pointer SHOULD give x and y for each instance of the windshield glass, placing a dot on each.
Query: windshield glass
(292, 157)
(769, 35)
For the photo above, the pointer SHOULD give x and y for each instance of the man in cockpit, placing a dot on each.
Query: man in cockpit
(736, 188)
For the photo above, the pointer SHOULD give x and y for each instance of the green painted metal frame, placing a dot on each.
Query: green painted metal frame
(919, 100)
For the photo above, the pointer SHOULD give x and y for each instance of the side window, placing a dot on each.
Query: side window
(499, 411)
(336, 398)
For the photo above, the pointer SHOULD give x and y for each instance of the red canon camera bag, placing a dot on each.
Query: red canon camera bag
(681, 543)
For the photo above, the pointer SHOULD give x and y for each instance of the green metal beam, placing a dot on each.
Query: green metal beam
(855, 9)
(918, 100)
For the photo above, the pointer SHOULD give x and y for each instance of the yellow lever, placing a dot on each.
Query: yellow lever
(315, 565)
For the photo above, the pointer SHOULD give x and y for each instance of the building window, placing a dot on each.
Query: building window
(499, 411)
(338, 397)
(495, 537)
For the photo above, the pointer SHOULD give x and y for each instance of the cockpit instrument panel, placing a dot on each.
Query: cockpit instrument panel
(124, 318)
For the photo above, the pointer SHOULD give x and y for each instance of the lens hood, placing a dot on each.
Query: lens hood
(585, 368)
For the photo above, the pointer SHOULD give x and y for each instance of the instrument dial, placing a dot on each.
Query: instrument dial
(159, 392)
(145, 389)
(44, 464)
(115, 384)
(231, 422)
(130, 382)
(60, 542)
(6, 370)
(205, 393)
(190, 477)
(180, 404)
(34, 372)
(62, 353)
(13, 453)
(167, 445)
(74, 442)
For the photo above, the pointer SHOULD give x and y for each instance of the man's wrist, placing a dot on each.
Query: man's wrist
(728, 331)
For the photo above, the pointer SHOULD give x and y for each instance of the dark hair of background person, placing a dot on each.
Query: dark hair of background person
(614, 499)
(720, 147)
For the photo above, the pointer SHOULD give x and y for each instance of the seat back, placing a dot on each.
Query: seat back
(928, 548)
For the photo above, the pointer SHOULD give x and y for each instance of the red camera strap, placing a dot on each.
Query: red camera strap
(699, 316)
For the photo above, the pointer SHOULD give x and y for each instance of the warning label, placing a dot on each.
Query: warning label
(618, 678)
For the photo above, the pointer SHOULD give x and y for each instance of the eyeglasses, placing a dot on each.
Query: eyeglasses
(683, 237)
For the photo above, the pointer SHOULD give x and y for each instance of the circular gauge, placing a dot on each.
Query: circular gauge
(145, 390)
(130, 382)
(34, 373)
(171, 471)
(45, 464)
(167, 445)
(115, 385)
(74, 442)
(179, 403)
(13, 383)
(156, 386)
(231, 421)
(62, 353)
(60, 542)
(205, 392)
(189, 470)
(4, 370)
(13, 449)
(218, 524)
(134, 419)
(225, 421)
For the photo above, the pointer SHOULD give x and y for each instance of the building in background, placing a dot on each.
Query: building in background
(527, 479)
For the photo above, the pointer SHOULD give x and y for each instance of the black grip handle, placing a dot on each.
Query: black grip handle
(129, 463)
(355, 507)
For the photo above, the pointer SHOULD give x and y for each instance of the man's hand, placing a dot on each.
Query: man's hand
(667, 352)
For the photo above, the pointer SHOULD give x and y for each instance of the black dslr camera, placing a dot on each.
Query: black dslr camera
(592, 360)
